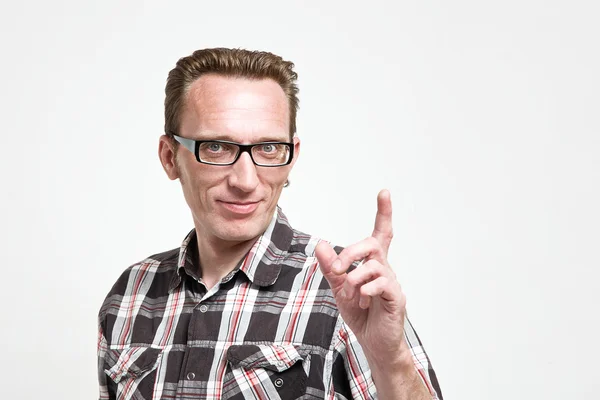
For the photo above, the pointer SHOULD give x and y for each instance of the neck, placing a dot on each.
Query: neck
(219, 257)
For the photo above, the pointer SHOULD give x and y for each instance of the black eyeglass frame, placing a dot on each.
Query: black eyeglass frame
(194, 146)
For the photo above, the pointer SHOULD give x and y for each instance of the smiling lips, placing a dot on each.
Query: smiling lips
(240, 208)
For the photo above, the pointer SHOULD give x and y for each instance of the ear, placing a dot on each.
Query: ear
(166, 153)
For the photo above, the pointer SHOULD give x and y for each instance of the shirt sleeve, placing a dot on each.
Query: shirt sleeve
(356, 381)
(106, 393)
(421, 361)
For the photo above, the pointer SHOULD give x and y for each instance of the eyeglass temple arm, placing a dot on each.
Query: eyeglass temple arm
(187, 143)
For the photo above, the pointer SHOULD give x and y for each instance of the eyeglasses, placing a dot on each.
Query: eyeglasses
(222, 152)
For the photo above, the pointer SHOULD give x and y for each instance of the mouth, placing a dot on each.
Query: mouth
(239, 207)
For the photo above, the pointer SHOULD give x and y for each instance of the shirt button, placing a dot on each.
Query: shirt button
(280, 363)
(191, 376)
(279, 382)
(203, 308)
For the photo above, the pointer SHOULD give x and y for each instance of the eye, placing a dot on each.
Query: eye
(214, 147)
(268, 148)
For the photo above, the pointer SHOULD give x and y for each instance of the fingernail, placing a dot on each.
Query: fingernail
(363, 302)
(336, 266)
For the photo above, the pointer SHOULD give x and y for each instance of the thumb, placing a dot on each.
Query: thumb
(326, 256)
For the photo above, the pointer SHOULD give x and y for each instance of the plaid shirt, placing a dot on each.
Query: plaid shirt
(269, 330)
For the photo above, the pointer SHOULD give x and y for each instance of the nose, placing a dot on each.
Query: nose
(243, 174)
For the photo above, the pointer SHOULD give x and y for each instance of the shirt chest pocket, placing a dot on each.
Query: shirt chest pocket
(266, 371)
(133, 371)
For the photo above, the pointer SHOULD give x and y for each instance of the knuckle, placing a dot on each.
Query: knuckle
(383, 281)
(377, 268)
(352, 279)
(392, 274)
(398, 287)
(348, 253)
(372, 267)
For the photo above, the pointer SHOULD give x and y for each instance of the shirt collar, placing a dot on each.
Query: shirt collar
(262, 264)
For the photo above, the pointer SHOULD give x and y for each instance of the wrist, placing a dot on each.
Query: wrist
(397, 378)
(399, 365)
(399, 361)
(395, 374)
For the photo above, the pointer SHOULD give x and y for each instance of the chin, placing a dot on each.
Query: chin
(240, 231)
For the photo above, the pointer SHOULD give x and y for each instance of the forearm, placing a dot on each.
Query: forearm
(398, 380)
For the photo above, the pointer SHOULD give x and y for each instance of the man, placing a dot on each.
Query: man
(247, 307)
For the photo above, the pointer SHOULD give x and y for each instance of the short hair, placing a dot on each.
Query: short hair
(238, 63)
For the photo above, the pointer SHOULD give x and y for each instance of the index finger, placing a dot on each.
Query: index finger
(383, 231)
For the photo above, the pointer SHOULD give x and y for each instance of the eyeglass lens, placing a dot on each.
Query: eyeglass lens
(226, 153)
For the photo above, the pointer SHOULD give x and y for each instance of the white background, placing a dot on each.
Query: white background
(480, 117)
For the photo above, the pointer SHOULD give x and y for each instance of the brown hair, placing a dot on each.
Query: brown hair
(227, 62)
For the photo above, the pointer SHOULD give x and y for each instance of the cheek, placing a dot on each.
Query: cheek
(275, 181)
(198, 183)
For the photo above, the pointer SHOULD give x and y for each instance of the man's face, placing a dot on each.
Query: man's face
(235, 202)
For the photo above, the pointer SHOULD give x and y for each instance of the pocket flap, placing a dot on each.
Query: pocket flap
(131, 362)
(274, 357)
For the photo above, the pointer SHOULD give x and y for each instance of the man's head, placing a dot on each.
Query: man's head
(239, 96)
(234, 63)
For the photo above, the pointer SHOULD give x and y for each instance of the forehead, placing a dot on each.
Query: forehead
(236, 108)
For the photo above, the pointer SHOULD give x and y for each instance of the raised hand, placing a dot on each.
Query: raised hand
(369, 297)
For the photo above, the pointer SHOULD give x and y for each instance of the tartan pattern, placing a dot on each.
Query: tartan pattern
(269, 330)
